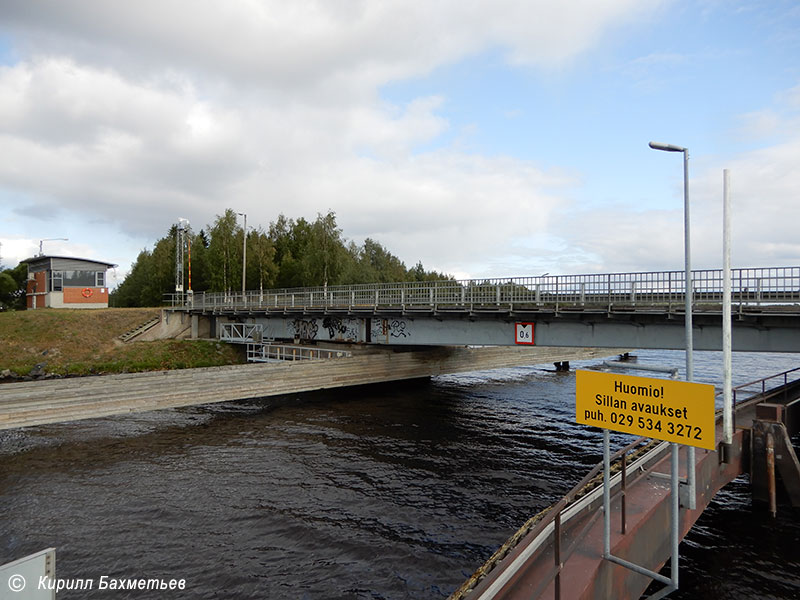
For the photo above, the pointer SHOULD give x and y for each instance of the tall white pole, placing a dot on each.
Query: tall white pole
(689, 289)
(244, 258)
(727, 404)
(688, 293)
(689, 297)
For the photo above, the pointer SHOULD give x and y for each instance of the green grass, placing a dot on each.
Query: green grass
(83, 342)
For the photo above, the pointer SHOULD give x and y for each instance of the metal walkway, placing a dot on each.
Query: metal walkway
(260, 349)
(558, 553)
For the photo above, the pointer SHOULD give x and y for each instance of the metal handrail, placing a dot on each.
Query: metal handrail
(269, 352)
(750, 287)
(553, 514)
(762, 382)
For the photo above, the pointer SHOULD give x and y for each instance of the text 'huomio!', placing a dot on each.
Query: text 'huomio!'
(675, 411)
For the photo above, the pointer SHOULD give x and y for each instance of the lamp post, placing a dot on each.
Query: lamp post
(688, 293)
(50, 240)
(244, 256)
(689, 288)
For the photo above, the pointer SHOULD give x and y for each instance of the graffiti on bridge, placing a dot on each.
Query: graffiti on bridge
(305, 329)
(341, 329)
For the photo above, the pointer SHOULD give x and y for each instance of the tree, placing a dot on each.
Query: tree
(8, 288)
(418, 273)
(291, 240)
(200, 261)
(162, 275)
(223, 252)
(260, 264)
(293, 253)
(129, 292)
(379, 264)
(328, 249)
(151, 278)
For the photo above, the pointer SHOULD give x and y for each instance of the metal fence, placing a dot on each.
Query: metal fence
(779, 285)
(241, 332)
(284, 352)
(545, 529)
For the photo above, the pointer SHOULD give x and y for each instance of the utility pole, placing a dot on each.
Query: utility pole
(244, 257)
(180, 243)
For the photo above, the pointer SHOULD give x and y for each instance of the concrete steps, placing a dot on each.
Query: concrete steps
(140, 329)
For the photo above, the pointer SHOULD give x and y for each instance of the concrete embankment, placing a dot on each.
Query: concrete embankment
(54, 401)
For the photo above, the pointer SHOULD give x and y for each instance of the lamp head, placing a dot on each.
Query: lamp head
(666, 147)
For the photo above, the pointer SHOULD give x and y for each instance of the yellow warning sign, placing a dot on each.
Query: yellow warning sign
(664, 409)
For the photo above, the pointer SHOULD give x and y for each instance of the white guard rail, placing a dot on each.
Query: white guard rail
(775, 285)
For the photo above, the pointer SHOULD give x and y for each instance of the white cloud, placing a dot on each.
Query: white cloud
(353, 44)
(135, 114)
(765, 210)
(765, 204)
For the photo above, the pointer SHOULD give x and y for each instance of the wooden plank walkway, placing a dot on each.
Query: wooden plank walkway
(60, 400)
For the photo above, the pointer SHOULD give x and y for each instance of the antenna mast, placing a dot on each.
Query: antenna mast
(180, 244)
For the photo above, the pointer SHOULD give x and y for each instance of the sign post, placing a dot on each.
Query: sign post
(676, 411)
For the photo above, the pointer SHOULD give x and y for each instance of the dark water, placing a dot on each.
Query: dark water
(397, 491)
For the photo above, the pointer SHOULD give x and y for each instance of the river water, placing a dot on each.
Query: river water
(394, 491)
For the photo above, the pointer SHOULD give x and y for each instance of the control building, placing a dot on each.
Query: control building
(66, 282)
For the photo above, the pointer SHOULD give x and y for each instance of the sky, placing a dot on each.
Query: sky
(486, 139)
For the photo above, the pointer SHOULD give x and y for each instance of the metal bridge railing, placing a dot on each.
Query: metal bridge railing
(286, 352)
(777, 285)
(241, 332)
(545, 528)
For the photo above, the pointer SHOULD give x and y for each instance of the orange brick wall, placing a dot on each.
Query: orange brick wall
(36, 285)
(75, 296)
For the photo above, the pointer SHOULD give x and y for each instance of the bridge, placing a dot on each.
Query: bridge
(618, 310)
(537, 319)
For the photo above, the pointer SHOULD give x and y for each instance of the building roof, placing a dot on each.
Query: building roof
(48, 256)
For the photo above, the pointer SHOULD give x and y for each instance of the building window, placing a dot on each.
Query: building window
(79, 279)
(100, 279)
(57, 281)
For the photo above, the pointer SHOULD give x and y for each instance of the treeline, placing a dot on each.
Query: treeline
(12, 287)
(290, 253)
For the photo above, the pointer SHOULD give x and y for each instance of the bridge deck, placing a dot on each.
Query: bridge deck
(632, 310)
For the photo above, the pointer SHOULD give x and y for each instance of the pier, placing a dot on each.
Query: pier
(558, 554)
(59, 400)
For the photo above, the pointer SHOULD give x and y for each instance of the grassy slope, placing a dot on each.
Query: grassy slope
(85, 341)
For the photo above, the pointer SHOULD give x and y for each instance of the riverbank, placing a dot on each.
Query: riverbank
(48, 343)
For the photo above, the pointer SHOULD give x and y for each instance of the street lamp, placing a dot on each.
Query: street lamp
(689, 288)
(244, 256)
(688, 293)
(50, 240)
